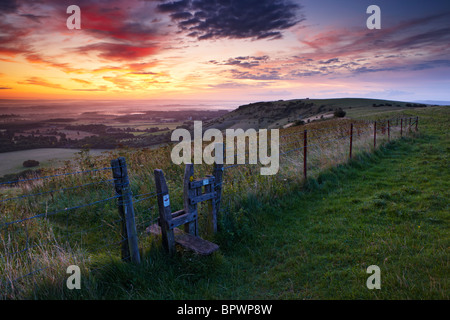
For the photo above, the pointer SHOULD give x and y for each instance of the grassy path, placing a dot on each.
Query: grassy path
(393, 214)
(389, 209)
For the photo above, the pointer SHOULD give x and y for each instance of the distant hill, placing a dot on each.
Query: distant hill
(283, 113)
(435, 102)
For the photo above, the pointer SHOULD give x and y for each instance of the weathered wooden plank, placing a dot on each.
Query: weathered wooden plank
(203, 197)
(165, 213)
(183, 219)
(187, 241)
(196, 244)
(178, 213)
(201, 182)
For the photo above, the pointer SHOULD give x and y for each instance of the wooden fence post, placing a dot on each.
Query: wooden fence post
(401, 127)
(130, 248)
(191, 227)
(305, 147)
(351, 140)
(165, 212)
(389, 130)
(218, 174)
(375, 134)
(212, 210)
(417, 124)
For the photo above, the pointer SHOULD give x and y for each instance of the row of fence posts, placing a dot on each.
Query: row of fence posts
(305, 139)
(130, 248)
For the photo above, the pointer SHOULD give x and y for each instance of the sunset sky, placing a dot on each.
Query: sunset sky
(224, 49)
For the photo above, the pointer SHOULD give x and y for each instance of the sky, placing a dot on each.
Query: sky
(249, 50)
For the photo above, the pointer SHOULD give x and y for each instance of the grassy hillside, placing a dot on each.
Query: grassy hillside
(277, 114)
(280, 239)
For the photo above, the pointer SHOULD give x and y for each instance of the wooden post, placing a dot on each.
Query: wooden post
(218, 174)
(130, 248)
(191, 227)
(375, 134)
(212, 219)
(165, 213)
(417, 124)
(401, 127)
(389, 130)
(351, 139)
(305, 147)
(117, 175)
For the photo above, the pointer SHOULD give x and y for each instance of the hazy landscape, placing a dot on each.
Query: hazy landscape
(98, 203)
(28, 131)
(403, 222)
(101, 126)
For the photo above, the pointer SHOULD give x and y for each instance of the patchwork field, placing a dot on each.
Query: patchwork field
(11, 162)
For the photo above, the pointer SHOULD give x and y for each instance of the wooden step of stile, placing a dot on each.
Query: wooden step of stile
(188, 241)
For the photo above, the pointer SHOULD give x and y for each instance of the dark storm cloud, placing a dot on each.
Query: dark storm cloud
(8, 6)
(32, 17)
(233, 19)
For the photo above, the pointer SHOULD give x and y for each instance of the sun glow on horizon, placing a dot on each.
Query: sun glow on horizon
(144, 50)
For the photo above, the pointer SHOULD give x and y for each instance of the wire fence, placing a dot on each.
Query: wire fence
(51, 222)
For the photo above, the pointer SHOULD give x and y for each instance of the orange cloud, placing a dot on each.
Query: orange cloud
(41, 82)
(81, 81)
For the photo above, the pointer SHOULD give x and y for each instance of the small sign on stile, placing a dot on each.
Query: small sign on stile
(166, 200)
(205, 182)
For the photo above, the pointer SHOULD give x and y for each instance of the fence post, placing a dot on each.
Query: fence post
(305, 147)
(218, 173)
(130, 248)
(191, 227)
(417, 123)
(389, 130)
(375, 134)
(165, 212)
(351, 139)
(401, 127)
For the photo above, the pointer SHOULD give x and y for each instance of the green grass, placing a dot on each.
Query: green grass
(389, 208)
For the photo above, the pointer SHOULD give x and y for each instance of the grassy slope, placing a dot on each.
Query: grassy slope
(389, 209)
(276, 114)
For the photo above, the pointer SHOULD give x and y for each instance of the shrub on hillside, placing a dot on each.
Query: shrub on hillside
(339, 113)
(299, 123)
(30, 163)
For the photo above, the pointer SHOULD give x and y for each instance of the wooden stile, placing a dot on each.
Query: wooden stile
(169, 222)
